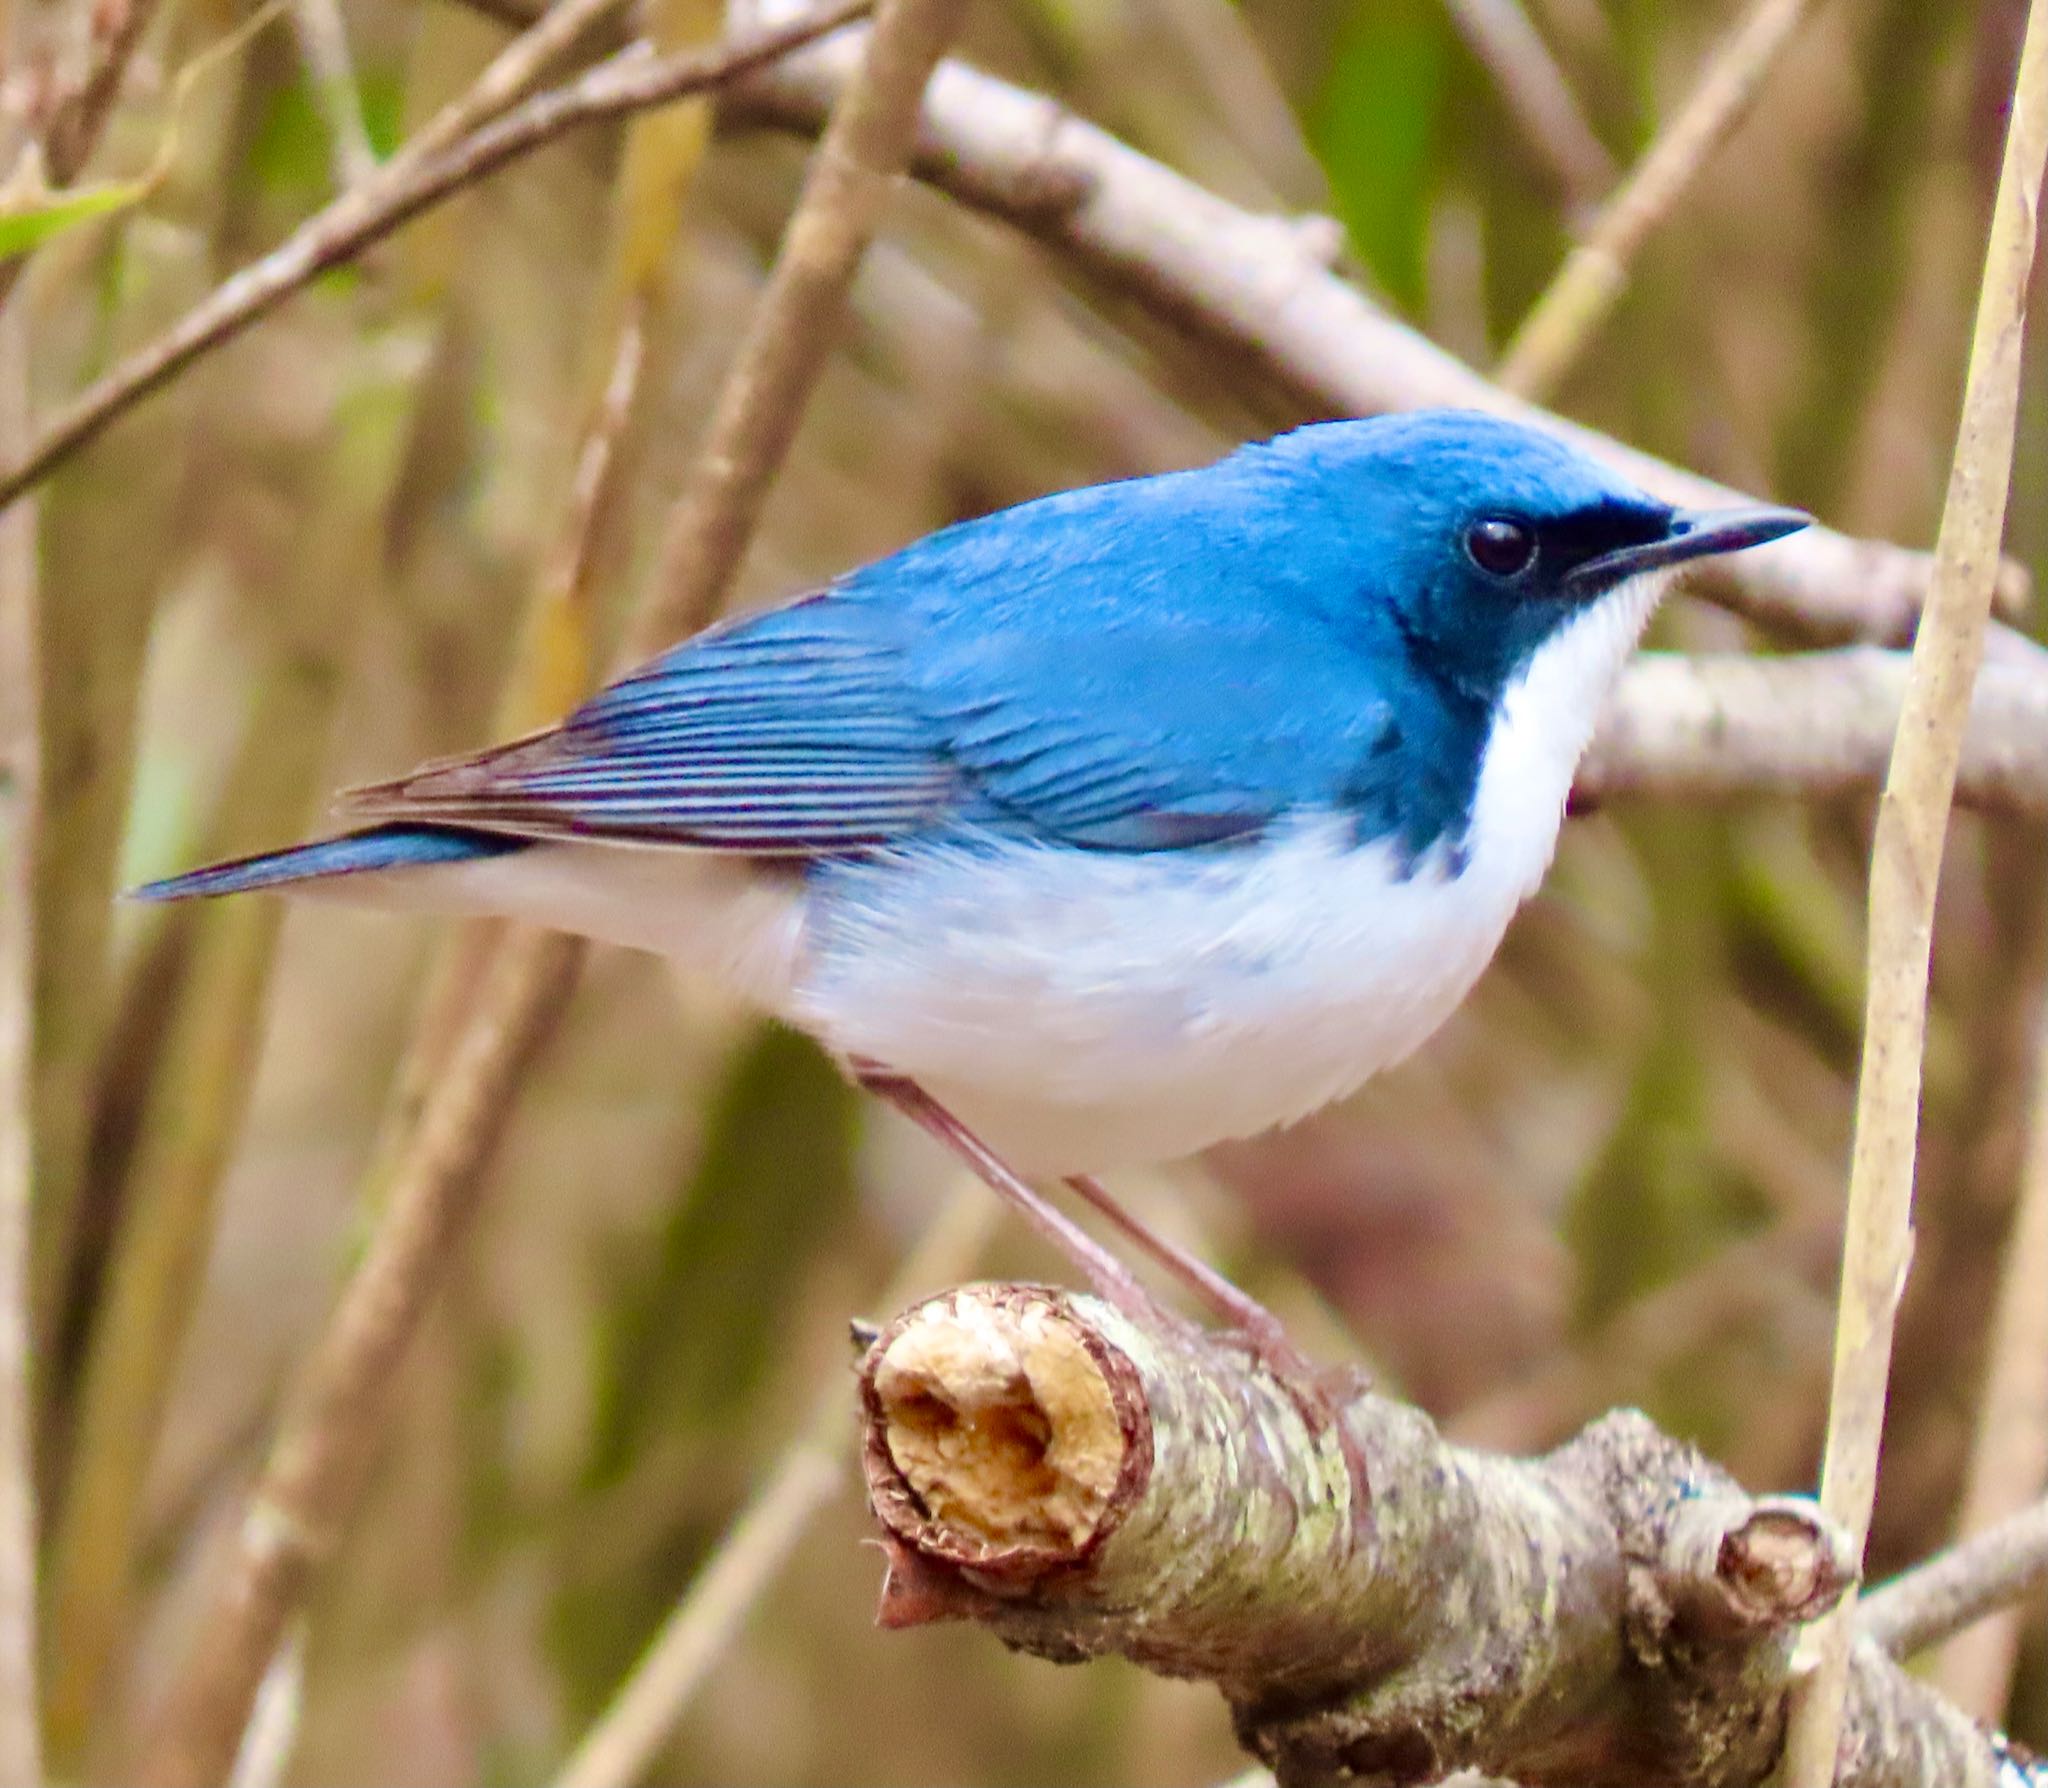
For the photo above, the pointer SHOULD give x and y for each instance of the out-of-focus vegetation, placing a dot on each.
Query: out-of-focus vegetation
(1616, 1177)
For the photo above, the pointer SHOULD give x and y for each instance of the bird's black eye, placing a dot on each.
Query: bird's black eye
(1501, 546)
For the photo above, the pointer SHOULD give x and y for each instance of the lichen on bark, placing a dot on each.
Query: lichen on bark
(1616, 1614)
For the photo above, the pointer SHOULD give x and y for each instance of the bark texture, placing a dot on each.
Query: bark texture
(1616, 1614)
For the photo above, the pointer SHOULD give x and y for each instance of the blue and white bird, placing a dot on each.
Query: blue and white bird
(1121, 822)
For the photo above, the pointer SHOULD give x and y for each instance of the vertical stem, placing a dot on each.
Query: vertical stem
(1905, 871)
(20, 699)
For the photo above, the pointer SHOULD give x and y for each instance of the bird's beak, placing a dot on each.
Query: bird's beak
(1691, 534)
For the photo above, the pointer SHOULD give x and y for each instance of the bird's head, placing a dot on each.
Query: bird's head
(1481, 540)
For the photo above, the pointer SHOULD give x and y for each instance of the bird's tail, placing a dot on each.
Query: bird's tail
(378, 849)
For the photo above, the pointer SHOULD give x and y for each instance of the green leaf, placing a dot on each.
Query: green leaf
(29, 219)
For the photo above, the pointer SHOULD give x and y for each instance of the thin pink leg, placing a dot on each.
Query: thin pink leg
(1109, 1276)
(1314, 1390)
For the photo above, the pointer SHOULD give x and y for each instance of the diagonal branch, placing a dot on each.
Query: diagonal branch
(1595, 273)
(1258, 286)
(1977, 1576)
(438, 163)
(1615, 1613)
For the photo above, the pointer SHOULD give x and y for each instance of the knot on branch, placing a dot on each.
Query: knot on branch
(1617, 1614)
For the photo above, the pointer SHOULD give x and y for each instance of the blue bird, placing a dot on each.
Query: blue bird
(1115, 824)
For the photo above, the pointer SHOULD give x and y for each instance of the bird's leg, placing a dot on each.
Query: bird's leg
(1112, 1280)
(1319, 1392)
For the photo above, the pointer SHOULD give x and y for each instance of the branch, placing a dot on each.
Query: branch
(1807, 724)
(80, 118)
(1616, 1613)
(22, 673)
(1905, 874)
(1988, 1571)
(314, 1478)
(1258, 285)
(630, 81)
(1595, 274)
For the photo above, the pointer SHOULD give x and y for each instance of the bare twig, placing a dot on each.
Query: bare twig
(620, 1747)
(1541, 99)
(1805, 724)
(1990, 1570)
(80, 119)
(321, 1459)
(1595, 273)
(2009, 1459)
(1912, 825)
(1614, 1613)
(20, 784)
(407, 185)
(1255, 285)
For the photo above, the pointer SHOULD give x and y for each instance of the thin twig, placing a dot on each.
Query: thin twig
(1513, 52)
(1595, 273)
(1905, 870)
(408, 184)
(20, 784)
(1988, 1571)
(314, 1477)
(80, 119)
(619, 1748)
(2009, 1460)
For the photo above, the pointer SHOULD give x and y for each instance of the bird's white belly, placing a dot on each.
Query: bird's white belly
(1090, 1009)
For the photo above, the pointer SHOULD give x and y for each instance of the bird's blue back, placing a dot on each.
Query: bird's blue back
(1157, 664)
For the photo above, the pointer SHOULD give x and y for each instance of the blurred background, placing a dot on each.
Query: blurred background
(1616, 1177)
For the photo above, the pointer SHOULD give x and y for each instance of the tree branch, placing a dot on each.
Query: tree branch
(1616, 1613)
(630, 81)
(1258, 285)
(1808, 724)
(1977, 1576)
(1595, 274)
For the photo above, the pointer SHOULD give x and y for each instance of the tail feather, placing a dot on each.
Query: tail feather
(355, 853)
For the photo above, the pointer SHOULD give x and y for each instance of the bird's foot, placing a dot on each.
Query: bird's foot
(1319, 1392)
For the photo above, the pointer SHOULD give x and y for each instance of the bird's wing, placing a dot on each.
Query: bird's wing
(784, 732)
(814, 729)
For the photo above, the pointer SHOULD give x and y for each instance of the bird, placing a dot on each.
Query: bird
(1103, 828)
